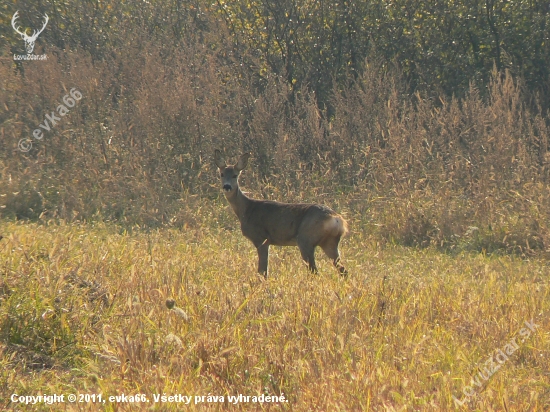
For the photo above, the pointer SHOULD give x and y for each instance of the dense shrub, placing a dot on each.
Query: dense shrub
(456, 172)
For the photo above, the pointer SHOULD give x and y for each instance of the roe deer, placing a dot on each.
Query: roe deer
(266, 222)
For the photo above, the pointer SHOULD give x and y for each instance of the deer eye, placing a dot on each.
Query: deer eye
(222, 175)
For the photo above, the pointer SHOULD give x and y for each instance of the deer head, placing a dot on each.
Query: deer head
(29, 40)
(230, 174)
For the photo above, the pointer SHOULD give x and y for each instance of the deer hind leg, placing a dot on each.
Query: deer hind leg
(263, 258)
(307, 249)
(330, 247)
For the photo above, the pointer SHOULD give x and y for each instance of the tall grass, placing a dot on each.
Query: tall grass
(117, 213)
(459, 174)
(83, 310)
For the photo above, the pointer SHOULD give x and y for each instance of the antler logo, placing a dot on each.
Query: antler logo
(29, 40)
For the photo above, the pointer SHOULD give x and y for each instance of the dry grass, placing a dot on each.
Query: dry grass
(141, 140)
(83, 310)
(448, 200)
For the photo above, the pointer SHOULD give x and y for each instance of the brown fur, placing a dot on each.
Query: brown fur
(267, 223)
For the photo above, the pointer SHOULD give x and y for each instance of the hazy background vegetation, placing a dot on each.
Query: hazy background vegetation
(425, 122)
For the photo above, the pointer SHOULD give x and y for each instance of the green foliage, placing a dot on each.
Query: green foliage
(424, 123)
(441, 46)
(321, 94)
(38, 323)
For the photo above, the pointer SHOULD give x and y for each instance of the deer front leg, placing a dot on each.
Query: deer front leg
(263, 257)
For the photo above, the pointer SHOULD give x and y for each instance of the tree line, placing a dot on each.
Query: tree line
(441, 46)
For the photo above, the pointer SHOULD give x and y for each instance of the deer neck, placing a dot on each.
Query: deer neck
(239, 202)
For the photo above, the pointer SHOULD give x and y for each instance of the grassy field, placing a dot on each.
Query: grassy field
(429, 131)
(84, 309)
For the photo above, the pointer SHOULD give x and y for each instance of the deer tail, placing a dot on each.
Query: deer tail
(336, 226)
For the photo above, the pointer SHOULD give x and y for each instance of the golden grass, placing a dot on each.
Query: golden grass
(83, 310)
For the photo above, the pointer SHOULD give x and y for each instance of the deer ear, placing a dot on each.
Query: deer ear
(218, 159)
(243, 161)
